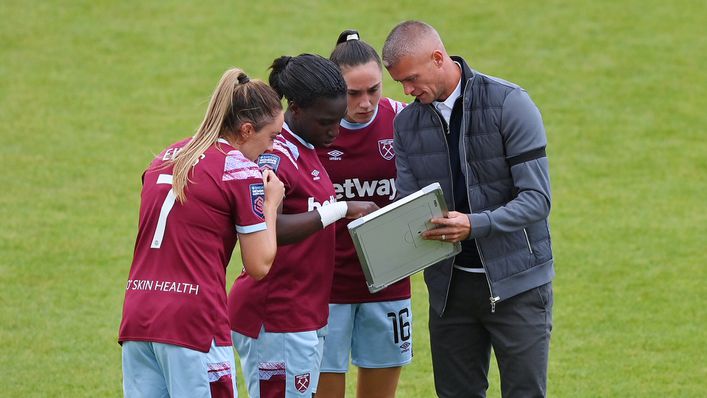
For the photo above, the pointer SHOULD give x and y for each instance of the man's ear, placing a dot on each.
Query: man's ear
(437, 58)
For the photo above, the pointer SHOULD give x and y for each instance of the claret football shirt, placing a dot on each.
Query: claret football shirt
(361, 164)
(175, 293)
(294, 295)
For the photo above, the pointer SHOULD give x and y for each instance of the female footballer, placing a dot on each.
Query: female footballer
(198, 196)
(279, 322)
(373, 329)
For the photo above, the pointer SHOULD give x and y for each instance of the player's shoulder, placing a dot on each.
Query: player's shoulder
(283, 152)
(238, 167)
(391, 105)
(168, 154)
(179, 144)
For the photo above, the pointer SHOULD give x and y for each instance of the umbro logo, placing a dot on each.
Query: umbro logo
(315, 175)
(335, 154)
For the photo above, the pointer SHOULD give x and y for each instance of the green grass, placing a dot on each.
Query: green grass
(90, 90)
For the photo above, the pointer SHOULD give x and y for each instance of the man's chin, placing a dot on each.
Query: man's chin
(424, 99)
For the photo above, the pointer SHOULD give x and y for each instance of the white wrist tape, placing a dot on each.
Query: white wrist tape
(333, 212)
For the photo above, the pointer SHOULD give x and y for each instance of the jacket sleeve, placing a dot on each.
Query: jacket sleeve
(405, 183)
(524, 139)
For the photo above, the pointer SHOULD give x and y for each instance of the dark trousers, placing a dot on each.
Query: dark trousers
(518, 331)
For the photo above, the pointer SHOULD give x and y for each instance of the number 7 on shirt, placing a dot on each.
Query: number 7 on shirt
(164, 212)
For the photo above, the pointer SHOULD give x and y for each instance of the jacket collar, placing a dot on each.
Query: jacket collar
(467, 72)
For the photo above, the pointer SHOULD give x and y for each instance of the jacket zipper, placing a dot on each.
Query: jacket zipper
(445, 131)
(527, 240)
(493, 299)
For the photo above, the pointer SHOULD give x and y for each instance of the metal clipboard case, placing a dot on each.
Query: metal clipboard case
(388, 241)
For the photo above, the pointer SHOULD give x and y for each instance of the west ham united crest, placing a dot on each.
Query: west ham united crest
(302, 382)
(385, 148)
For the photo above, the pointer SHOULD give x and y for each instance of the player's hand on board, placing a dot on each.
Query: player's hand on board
(274, 188)
(357, 208)
(453, 228)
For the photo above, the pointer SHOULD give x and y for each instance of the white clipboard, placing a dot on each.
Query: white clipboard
(388, 241)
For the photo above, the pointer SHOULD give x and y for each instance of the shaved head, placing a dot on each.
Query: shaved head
(415, 57)
(410, 38)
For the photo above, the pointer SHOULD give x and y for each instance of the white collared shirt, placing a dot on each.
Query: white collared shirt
(445, 107)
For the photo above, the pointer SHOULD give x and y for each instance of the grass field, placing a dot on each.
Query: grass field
(91, 90)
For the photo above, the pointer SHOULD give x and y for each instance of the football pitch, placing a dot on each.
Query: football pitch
(90, 91)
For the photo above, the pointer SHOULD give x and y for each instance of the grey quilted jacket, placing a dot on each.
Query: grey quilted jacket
(502, 150)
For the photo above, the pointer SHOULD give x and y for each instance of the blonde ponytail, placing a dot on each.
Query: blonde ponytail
(236, 100)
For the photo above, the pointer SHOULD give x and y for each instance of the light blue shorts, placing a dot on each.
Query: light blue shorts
(281, 364)
(378, 335)
(165, 370)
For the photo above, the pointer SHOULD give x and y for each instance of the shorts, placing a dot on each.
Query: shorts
(277, 365)
(378, 335)
(166, 370)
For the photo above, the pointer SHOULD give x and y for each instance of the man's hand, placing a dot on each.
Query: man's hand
(453, 228)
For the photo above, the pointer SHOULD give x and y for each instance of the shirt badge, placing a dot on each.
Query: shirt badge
(302, 382)
(385, 148)
(257, 199)
(269, 161)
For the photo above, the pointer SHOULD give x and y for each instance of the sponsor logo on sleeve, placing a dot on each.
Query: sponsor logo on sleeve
(257, 199)
(385, 148)
(269, 161)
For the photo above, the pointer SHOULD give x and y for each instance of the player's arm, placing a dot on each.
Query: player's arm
(292, 228)
(258, 249)
(525, 141)
(405, 181)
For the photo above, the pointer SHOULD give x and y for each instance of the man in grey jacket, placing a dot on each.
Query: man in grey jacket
(483, 140)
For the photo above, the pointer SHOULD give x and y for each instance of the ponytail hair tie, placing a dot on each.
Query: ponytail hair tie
(243, 78)
(348, 35)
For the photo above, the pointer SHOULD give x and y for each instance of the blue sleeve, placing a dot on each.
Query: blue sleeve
(405, 182)
(525, 141)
